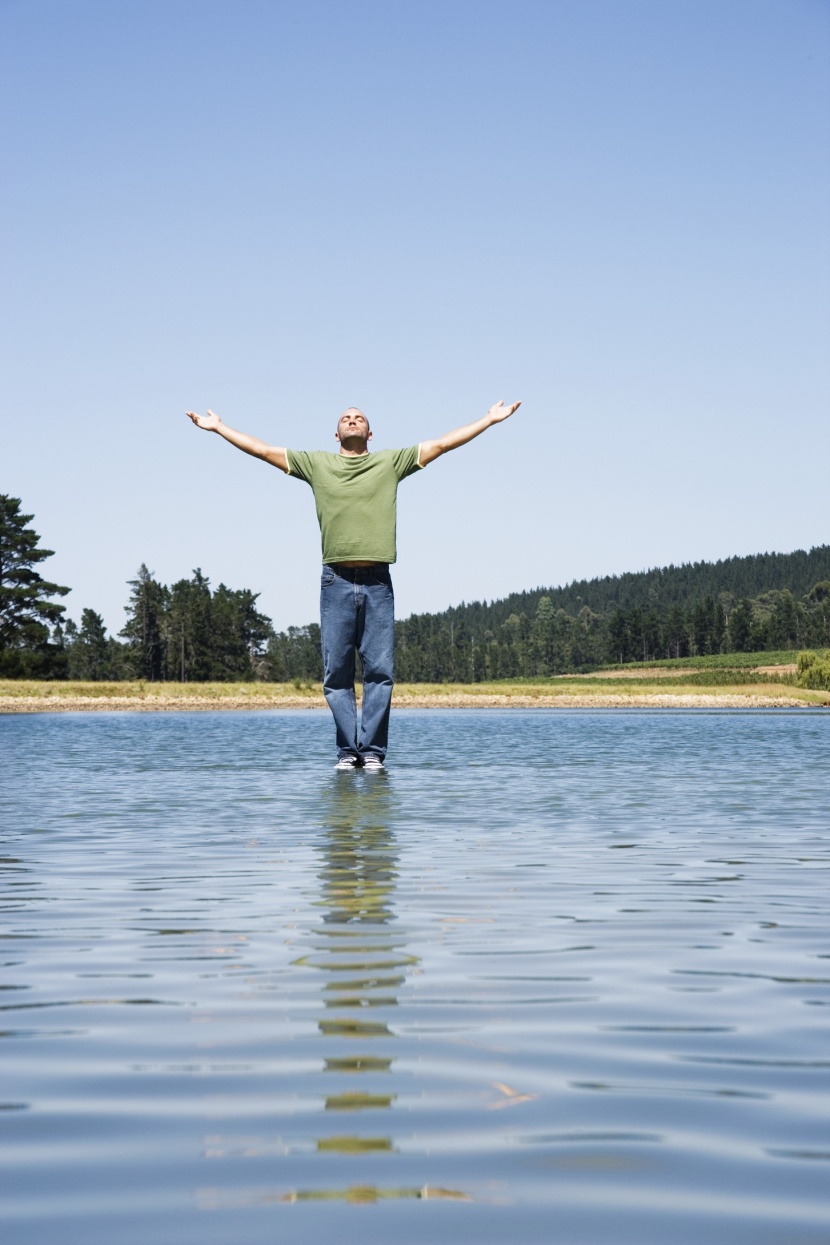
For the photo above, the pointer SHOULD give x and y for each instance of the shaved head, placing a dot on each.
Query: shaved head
(352, 410)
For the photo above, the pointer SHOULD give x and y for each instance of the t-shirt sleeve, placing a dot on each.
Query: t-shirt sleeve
(300, 464)
(406, 461)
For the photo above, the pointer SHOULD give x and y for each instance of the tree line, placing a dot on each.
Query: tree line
(473, 647)
(769, 601)
(184, 632)
(189, 632)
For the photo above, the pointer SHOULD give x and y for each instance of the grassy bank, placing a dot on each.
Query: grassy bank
(22, 694)
(665, 689)
(612, 692)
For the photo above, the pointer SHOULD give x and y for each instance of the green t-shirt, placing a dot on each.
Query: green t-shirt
(356, 499)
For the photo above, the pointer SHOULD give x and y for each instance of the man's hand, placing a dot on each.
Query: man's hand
(273, 454)
(210, 422)
(428, 451)
(499, 412)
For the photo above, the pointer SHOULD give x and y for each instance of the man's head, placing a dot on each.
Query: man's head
(353, 432)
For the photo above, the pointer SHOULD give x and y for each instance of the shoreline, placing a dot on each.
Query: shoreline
(169, 699)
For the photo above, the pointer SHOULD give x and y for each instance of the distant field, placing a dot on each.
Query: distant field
(718, 661)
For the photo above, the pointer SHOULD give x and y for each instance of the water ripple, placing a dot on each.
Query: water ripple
(555, 973)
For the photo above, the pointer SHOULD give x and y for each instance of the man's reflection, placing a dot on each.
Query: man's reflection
(361, 949)
(360, 946)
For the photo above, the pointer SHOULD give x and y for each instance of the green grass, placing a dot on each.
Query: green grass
(700, 678)
(715, 661)
(131, 689)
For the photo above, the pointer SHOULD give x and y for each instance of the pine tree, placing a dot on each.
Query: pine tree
(89, 651)
(819, 601)
(25, 611)
(651, 634)
(617, 637)
(542, 638)
(189, 630)
(144, 629)
(719, 628)
(636, 635)
(27, 649)
(703, 619)
(675, 633)
(740, 628)
(239, 633)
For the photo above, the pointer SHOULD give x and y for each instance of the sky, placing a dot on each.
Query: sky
(614, 210)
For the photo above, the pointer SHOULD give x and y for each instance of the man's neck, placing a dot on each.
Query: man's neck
(355, 449)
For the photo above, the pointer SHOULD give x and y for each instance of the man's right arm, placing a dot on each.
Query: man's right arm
(272, 454)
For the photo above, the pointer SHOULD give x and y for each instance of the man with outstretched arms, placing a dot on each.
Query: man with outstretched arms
(355, 493)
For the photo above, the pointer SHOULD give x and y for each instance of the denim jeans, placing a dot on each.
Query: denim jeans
(357, 612)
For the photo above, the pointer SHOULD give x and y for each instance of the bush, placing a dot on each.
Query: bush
(814, 671)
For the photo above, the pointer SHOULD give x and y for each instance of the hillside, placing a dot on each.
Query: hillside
(663, 587)
(740, 604)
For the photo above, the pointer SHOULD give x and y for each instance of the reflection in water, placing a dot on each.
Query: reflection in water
(357, 1101)
(356, 946)
(370, 1193)
(361, 949)
(358, 1063)
(356, 1194)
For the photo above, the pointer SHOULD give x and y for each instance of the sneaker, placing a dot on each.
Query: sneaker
(372, 761)
(348, 761)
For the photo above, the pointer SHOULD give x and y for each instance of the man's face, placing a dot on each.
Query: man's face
(353, 426)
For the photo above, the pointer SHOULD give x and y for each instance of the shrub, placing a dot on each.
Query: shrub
(814, 670)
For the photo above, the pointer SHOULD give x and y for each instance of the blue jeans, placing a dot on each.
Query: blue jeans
(357, 612)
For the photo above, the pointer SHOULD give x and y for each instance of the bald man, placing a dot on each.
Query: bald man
(356, 493)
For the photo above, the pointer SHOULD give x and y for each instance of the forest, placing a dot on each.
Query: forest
(191, 632)
(741, 604)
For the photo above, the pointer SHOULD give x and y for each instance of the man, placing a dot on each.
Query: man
(355, 493)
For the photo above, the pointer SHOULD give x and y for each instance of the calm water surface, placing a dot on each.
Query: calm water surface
(554, 977)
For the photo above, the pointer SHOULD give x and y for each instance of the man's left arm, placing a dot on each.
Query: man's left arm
(430, 450)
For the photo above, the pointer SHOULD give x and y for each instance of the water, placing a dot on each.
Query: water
(554, 977)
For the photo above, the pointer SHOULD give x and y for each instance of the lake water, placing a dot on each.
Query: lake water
(554, 977)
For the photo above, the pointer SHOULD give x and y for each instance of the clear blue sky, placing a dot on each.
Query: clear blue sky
(615, 210)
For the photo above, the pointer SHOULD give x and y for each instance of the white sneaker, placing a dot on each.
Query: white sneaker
(372, 761)
(349, 761)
